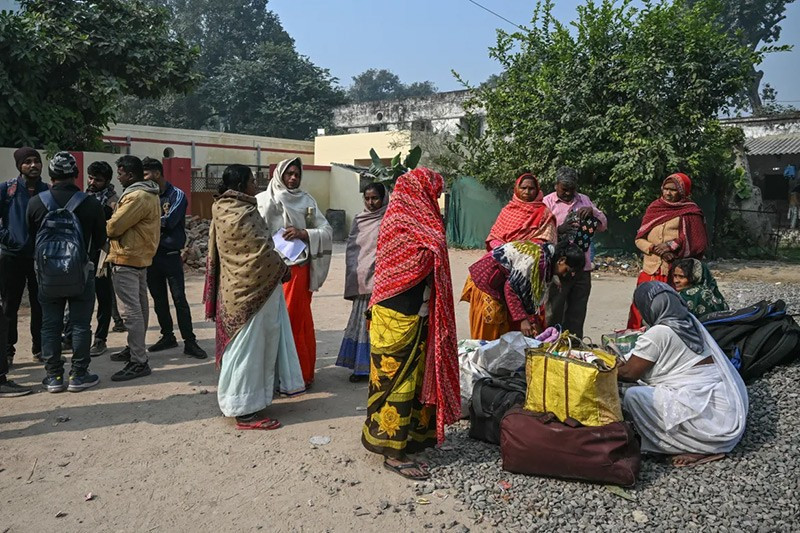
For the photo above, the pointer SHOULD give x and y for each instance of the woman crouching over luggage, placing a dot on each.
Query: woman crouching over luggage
(693, 404)
(518, 273)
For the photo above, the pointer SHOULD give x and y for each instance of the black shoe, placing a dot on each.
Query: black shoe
(164, 343)
(192, 349)
(122, 357)
(9, 389)
(132, 371)
(98, 348)
(38, 358)
(119, 327)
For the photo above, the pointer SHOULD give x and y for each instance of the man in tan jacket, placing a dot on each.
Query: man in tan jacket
(133, 232)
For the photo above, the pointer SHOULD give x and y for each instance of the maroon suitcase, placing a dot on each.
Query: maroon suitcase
(538, 444)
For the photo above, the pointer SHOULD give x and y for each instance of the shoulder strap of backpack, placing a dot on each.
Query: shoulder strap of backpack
(76, 200)
(48, 200)
(477, 402)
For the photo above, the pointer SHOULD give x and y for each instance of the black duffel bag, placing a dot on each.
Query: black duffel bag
(491, 398)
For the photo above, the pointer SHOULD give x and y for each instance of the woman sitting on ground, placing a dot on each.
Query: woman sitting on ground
(518, 273)
(693, 405)
(413, 379)
(243, 294)
(525, 218)
(359, 271)
(698, 288)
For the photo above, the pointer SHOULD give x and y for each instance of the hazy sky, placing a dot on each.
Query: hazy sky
(424, 39)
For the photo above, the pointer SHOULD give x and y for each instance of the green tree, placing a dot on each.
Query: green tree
(374, 84)
(66, 64)
(754, 23)
(232, 36)
(276, 92)
(627, 95)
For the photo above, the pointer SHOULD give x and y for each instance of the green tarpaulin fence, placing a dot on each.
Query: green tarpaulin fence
(472, 210)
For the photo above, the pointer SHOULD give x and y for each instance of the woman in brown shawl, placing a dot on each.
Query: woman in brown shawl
(255, 351)
(358, 281)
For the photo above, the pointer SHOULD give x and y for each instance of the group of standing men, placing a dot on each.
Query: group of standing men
(133, 243)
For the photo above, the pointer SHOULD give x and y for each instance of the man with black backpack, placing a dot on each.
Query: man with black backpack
(68, 227)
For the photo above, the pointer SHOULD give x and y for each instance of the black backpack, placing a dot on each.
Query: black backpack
(60, 259)
(755, 338)
(491, 398)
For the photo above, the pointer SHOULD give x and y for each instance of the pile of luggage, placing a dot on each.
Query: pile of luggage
(563, 419)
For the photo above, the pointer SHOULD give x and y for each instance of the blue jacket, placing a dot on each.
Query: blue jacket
(14, 236)
(173, 219)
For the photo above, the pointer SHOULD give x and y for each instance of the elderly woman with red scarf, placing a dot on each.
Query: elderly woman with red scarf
(525, 218)
(673, 227)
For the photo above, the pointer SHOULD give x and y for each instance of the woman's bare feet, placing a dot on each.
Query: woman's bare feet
(694, 459)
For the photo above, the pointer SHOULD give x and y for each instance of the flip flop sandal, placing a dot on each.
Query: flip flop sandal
(398, 469)
(264, 423)
(704, 460)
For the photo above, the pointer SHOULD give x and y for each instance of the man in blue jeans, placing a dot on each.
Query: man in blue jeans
(167, 267)
(63, 172)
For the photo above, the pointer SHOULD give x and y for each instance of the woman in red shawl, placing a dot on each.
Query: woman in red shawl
(673, 227)
(525, 218)
(413, 379)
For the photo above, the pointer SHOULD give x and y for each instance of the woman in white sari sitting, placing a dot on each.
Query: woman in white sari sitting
(255, 354)
(691, 402)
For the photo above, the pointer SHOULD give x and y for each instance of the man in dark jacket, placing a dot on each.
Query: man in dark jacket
(63, 172)
(167, 267)
(16, 248)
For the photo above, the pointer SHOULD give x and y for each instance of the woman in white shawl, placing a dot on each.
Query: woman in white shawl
(692, 403)
(358, 281)
(293, 214)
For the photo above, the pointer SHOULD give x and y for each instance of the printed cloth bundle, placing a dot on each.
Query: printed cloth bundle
(572, 380)
(584, 232)
(622, 341)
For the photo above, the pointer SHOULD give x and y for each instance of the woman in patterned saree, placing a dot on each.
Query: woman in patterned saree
(525, 218)
(413, 382)
(354, 352)
(255, 351)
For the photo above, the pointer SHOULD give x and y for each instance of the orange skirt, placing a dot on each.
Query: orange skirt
(298, 303)
(488, 318)
(634, 317)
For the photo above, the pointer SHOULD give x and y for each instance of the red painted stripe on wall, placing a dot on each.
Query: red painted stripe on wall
(204, 145)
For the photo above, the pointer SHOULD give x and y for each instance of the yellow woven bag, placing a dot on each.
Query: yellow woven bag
(571, 388)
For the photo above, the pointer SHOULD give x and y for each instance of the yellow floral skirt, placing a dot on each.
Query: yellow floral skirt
(397, 423)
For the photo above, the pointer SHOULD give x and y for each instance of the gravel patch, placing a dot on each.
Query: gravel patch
(740, 294)
(754, 489)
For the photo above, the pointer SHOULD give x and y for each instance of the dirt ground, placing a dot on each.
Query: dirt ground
(156, 454)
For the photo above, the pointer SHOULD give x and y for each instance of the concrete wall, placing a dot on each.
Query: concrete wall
(440, 112)
(345, 193)
(205, 147)
(354, 148)
(754, 127)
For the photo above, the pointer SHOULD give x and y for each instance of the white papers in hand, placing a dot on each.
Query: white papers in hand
(292, 249)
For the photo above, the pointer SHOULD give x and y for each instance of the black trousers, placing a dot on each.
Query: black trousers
(15, 274)
(567, 305)
(3, 341)
(167, 271)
